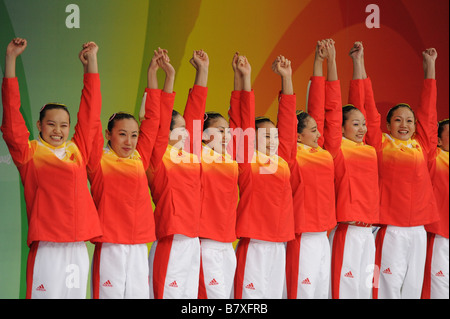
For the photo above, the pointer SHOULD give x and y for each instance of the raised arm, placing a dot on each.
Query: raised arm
(88, 57)
(287, 120)
(196, 102)
(152, 79)
(362, 97)
(333, 103)
(15, 131)
(319, 58)
(247, 142)
(246, 146)
(429, 63)
(164, 64)
(316, 94)
(15, 48)
(356, 90)
(200, 61)
(162, 101)
(150, 121)
(330, 48)
(357, 55)
(426, 113)
(88, 117)
(234, 112)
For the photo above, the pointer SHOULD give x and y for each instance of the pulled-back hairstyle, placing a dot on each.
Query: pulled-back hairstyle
(262, 119)
(393, 109)
(302, 118)
(117, 117)
(209, 118)
(441, 127)
(174, 116)
(52, 106)
(346, 109)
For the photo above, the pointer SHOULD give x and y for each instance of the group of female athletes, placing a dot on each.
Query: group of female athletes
(324, 204)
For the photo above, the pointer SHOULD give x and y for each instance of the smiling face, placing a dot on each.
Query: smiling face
(54, 127)
(354, 127)
(310, 134)
(178, 133)
(267, 138)
(402, 123)
(217, 135)
(123, 137)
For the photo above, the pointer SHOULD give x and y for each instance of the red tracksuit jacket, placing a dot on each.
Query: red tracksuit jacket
(119, 186)
(438, 167)
(175, 181)
(312, 169)
(356, 166)
(265, 210)
(406, 192)
(59, 205)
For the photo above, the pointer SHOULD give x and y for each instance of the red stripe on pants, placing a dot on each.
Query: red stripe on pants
(426, 287)
(338, 258)
(30, 267)
(96, 271)
(241, 257)
(201, 285)
(292, 266)
(160, 264)
(379, 250)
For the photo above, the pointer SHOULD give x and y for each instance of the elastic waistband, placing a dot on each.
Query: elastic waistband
(357, 229)
(61, 244)
(210, 243)
(180, 237)
(259, 241)
(420, 228)
(313, 234)
(358, 224)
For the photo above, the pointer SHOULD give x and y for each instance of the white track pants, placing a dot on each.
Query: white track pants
(308, 266)
(353, 259)
(120, 271)
(400, 262)
(218, 265)
(174, 267)
(57, 270)
(261, 269)
(435, 284)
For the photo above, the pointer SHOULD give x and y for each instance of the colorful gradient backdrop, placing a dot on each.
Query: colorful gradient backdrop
(127, 32)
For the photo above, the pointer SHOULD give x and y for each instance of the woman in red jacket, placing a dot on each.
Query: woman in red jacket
(120, 263)
(407, 202)
(265, 220)
(357, 195)
(435, 284)
(175, 183)
(220, 199)
(60, 210)
(312, 169)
